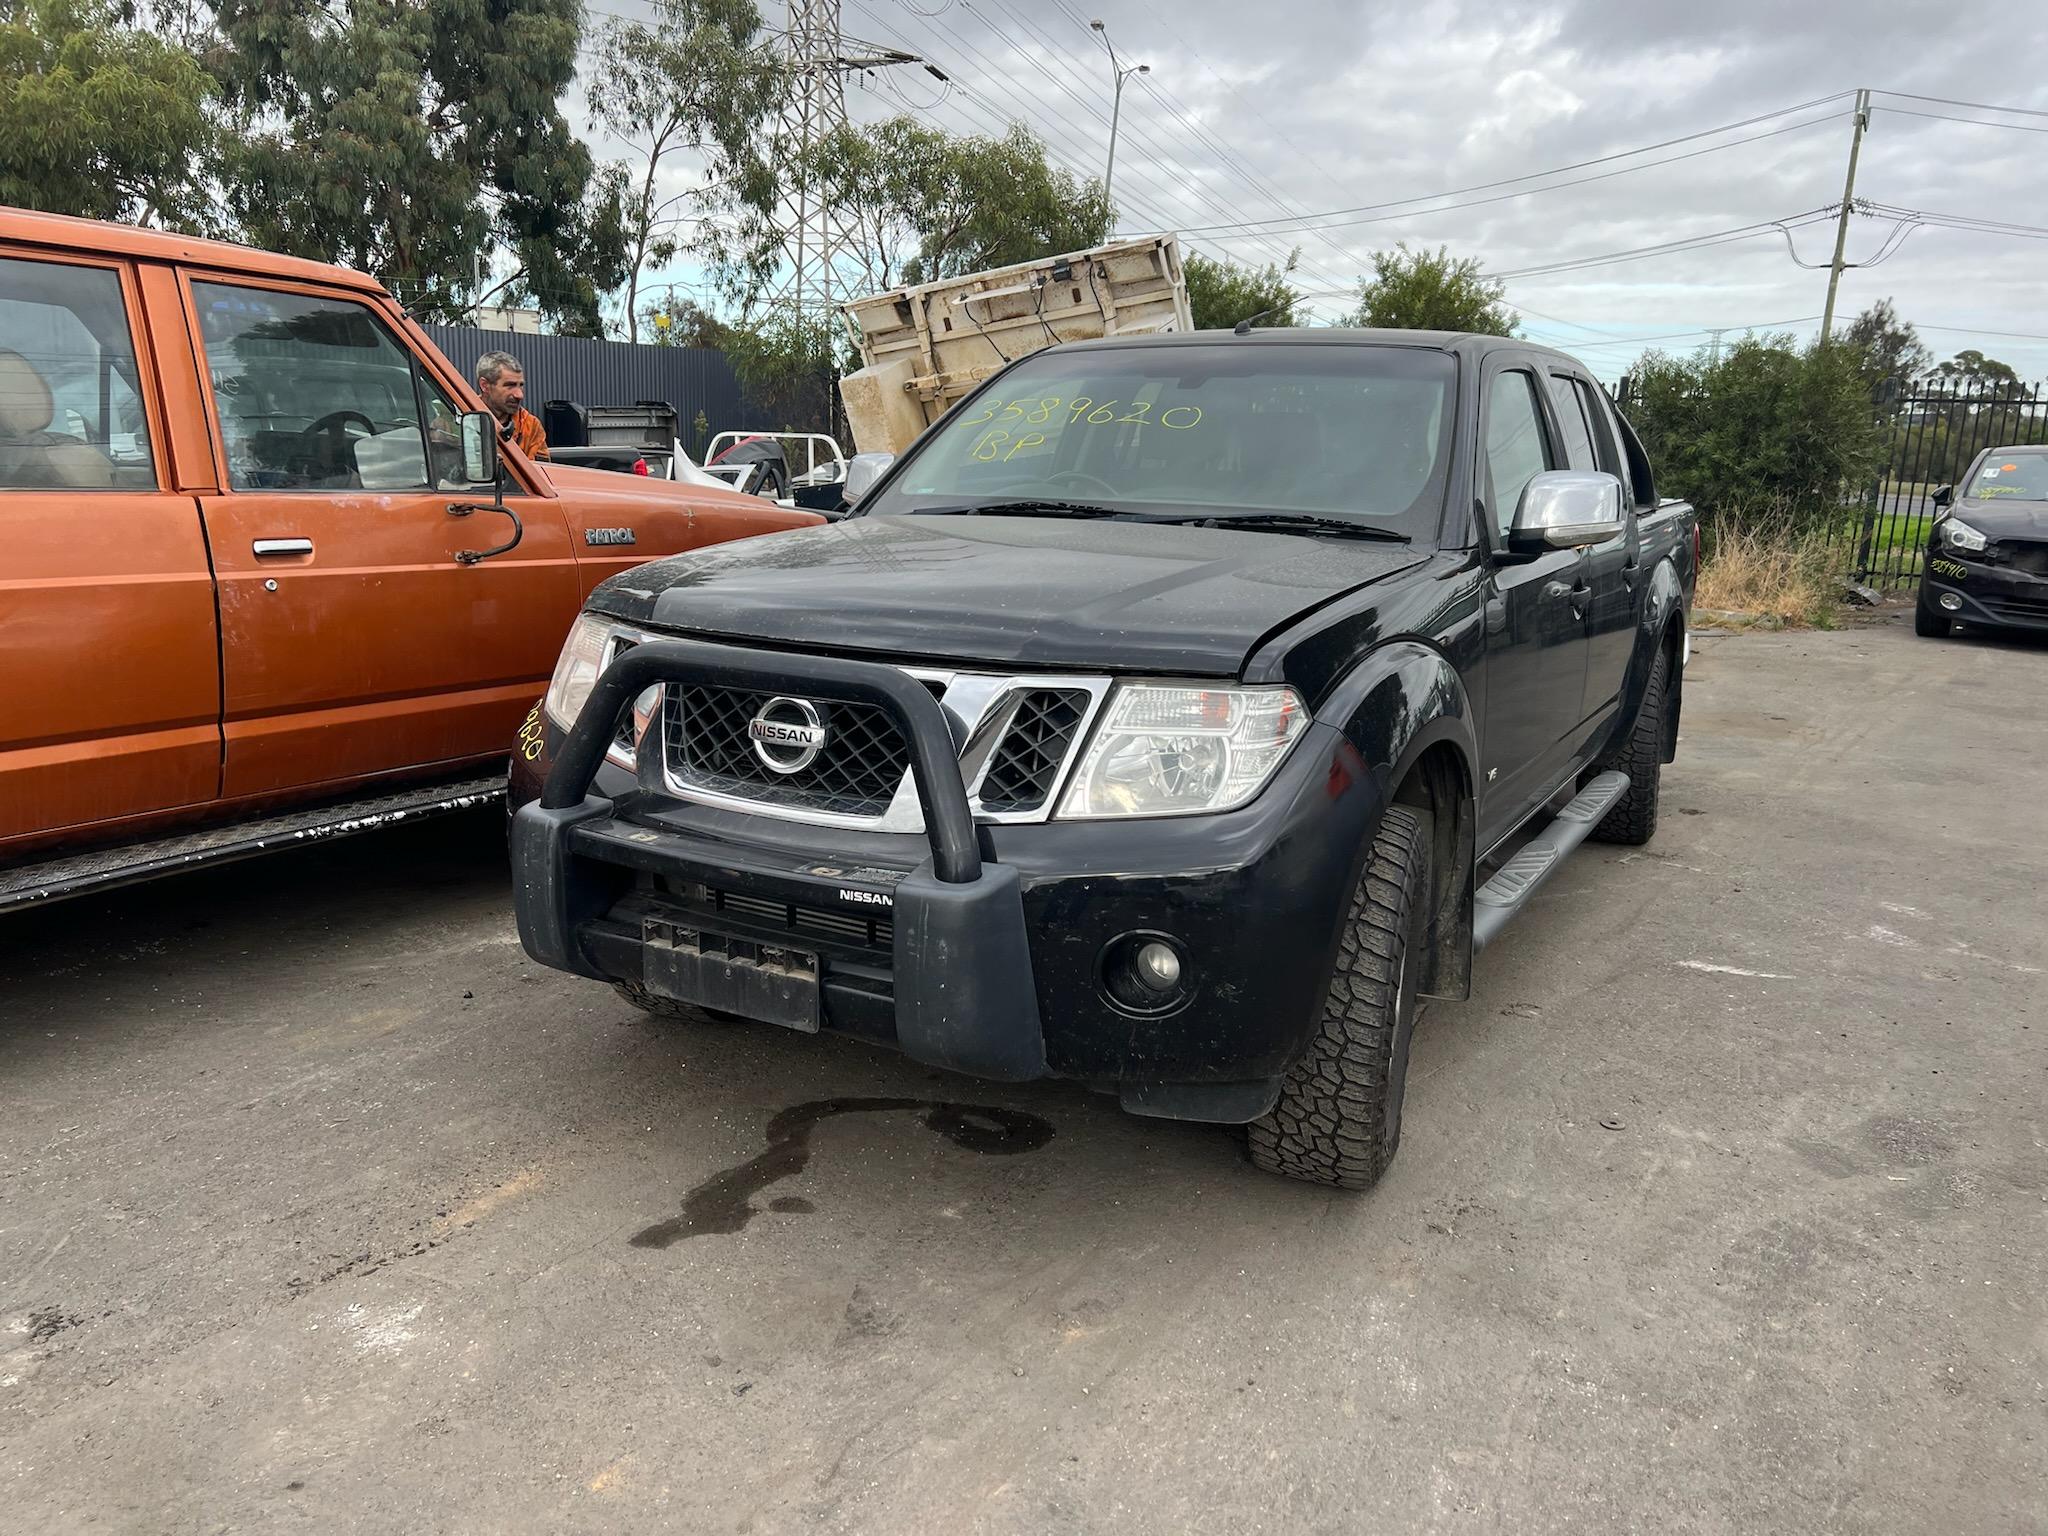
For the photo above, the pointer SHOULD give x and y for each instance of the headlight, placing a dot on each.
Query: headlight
(1961, 535)
(593, 644)
(1163, 750)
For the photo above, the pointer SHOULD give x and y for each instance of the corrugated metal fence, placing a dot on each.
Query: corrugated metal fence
(693, 380)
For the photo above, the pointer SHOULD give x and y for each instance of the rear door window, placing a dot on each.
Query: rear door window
(314, 393)
(71, 414)
(1571, 421)
(1606, 449)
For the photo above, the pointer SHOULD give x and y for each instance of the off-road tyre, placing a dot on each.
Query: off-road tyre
(1634, 816)
(1338, 1120)
(1930, 623)
(669, 1008)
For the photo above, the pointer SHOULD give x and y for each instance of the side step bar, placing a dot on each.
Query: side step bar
(1512, 886)
(100, 869)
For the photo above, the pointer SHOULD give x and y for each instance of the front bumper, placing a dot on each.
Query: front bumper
(1989, 594)
(987, 959)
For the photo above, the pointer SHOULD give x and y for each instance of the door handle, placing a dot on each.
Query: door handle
(268, 548)
(1577, 596)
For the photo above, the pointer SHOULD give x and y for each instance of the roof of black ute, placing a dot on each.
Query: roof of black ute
(1463, 343)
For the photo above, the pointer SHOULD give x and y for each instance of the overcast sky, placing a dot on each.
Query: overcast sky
(1270, 111)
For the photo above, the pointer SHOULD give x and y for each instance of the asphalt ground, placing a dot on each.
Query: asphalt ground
(1722, 1205)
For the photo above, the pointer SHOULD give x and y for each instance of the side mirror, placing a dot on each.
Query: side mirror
(480, 448)
(1945, 497)
(1566, 508)
(863, 471)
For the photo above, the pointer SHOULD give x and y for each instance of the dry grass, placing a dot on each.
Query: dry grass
(1791, 579)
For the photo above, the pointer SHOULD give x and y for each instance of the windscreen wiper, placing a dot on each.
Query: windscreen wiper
(1034, 507)
(1299, 522)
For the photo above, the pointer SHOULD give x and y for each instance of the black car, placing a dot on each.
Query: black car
(1169, 718)
(1987, 553)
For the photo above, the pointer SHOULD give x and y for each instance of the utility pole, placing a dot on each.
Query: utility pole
(1714, 356)
(814, 236)
(1827, 315)
(1123, 72)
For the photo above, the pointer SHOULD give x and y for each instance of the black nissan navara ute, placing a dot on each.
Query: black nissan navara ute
(1169, 718)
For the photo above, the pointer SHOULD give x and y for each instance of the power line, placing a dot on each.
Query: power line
(1262, 187)
(1981, 106)
(1236, 90)
(1085, 96)
(1189, 180)
(1964, 330)
(1961, 221)
(1580, 165)
(998, 118)
(1010, 110)
(1973, 122)
(1003, 114)
(1665, 248)
(1712, 330)
(1508, 197)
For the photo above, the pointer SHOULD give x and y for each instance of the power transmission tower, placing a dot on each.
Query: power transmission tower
(815, 236)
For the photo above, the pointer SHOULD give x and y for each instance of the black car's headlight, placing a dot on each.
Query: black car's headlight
(595, 643)
(1959, 535)
(1176, 750)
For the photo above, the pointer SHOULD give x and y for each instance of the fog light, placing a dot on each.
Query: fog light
(1145, 973)
(1951, 602)
(1158, 966)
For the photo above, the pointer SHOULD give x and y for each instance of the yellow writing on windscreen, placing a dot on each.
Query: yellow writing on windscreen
(1043, 410)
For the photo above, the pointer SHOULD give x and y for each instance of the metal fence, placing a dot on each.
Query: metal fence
(1929, 432)
(1932, 431)
(696, 381)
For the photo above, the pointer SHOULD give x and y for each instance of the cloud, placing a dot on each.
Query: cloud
(1264, 111)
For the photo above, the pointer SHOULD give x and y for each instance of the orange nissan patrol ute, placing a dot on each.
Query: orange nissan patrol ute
(249, 595)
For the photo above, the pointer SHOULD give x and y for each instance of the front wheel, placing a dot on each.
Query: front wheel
(1931, 623)
(1338, 1119)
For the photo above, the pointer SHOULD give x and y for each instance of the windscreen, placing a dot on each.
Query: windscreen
(1357, 432)
(2010, 477)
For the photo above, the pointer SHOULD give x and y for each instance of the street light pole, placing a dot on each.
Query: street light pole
(1123, 72)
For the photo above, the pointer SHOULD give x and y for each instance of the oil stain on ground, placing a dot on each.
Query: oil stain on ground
(724, 1202)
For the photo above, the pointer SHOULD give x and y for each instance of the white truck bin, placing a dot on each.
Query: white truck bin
(925, 347)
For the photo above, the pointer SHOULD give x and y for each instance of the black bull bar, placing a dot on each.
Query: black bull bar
(962, 964)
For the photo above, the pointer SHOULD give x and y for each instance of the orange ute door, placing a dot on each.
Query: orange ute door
(354, 642)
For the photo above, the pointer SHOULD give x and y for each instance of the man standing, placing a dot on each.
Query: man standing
(502, 382)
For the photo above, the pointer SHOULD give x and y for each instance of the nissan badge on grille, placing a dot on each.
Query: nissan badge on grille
(788, 734)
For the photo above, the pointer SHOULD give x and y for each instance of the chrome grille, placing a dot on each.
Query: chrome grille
(1018, 734)
(705, 743)
(623, 739)
(1028, 759)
